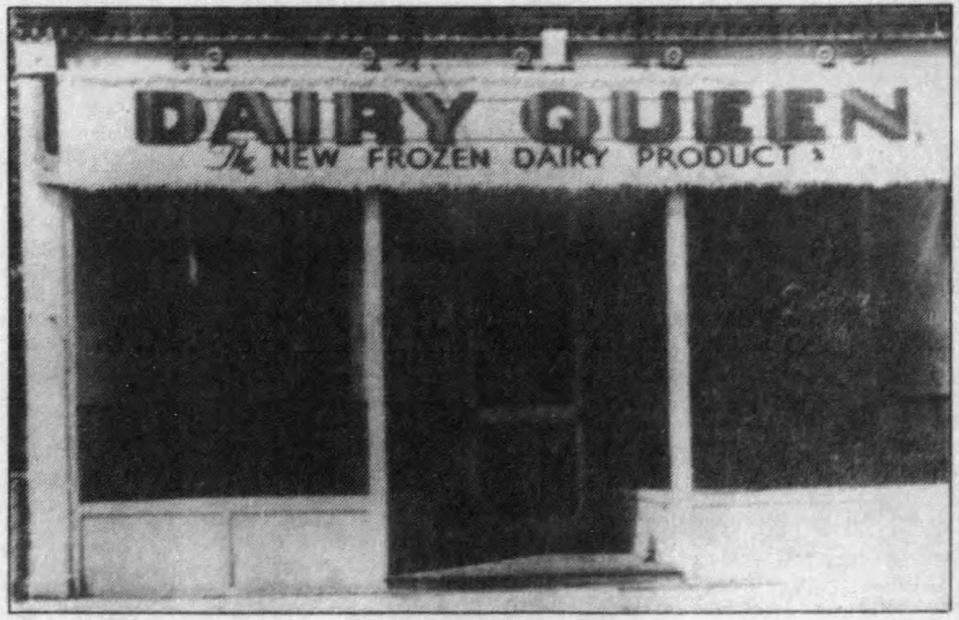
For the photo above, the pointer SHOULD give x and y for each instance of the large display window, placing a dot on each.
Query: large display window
(819, 336)
(216, 345)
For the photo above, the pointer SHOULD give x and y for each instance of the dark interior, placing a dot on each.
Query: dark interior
(523, 326)
(819, 334)
(215, 349)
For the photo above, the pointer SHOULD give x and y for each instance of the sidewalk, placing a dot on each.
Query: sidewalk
(659, 597)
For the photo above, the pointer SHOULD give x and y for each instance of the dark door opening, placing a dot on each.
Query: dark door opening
(525, 372)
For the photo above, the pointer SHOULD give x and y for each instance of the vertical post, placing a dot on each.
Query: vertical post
(373, 367)
(677, 316)
(47, 298)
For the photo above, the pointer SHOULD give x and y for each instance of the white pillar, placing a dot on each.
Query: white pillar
(47, 294)
(374, 385)
(677, 316)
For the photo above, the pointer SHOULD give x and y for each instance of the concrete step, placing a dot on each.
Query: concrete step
(539, 571)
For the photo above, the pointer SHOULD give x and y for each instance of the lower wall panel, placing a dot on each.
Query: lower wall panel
(155, 556)
(303, 553)
(223, 553)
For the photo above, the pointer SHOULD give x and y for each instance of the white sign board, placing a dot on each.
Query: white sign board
(484, 123)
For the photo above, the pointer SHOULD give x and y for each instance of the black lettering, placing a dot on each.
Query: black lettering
(644, 154)
(715, 156)
(325, 158)
(790, 116)
(301, 160)
(479, 156)
(440, 121)
(373, 156)
(576, 114)
(546, 155)
(859, 106)
(394, 156)
(418, 158)
(523, 157)
(625, 118)
(745, 150)
(785, 149)
(280, 155)
(439, 162)
(305, 111)
(760, 162)
(460, 158)
(695, 162)
(665, 154)
(576, 157)
(248, 112)
(378, 113)
(719, 116)
(151, 113)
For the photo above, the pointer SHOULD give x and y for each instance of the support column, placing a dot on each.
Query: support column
(374, 385)
(677, 316)
(49, 337)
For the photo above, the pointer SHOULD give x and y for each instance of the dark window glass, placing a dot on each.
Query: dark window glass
(215, 350)
(819, 335)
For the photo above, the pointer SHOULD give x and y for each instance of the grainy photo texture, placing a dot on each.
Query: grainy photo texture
(439, 309)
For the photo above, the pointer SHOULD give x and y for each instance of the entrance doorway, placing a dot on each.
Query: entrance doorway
(526, 377)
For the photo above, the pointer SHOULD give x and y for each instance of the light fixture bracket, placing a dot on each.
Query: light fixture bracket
(370, 59)
(673, 57)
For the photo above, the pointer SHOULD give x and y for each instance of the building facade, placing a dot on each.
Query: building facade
(314, 299)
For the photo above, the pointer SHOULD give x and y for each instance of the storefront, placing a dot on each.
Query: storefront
(304, 313)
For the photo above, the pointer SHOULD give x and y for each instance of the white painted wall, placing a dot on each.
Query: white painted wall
(892, 540)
